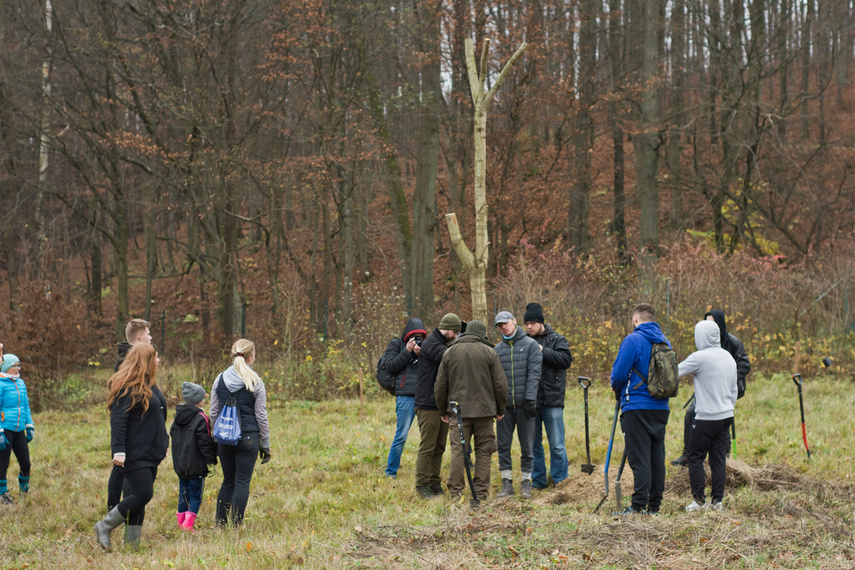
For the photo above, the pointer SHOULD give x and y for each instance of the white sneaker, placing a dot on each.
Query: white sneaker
(694, 507)
(716, 506)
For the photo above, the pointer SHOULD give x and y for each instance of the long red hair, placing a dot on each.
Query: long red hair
(135, 377)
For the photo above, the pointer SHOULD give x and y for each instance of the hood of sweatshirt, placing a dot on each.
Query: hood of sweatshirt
(233, 382)
(651, 331)
(718, 317)
(414, 326)
(707, 335)
(184, 414)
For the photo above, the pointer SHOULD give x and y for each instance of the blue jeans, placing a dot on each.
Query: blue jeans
(190, 494)
(550, 420)
(405, 409)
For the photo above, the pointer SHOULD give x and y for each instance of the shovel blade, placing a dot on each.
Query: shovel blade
(618, 496)
(587, 468)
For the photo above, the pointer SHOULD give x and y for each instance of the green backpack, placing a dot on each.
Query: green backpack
(664, 379)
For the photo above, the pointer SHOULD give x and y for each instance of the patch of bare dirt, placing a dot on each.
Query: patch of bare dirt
(740, 474)
(579, 487)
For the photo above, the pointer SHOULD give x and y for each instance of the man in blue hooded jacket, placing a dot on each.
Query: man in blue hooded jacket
(643, 417)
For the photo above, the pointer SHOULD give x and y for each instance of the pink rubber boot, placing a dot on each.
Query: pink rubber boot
(189, 521)
(181, 517)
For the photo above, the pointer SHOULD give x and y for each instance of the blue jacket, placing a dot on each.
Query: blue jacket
(14, 404)
(635, 353)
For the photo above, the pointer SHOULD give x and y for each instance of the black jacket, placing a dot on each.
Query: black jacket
(736, 349)
(140, 436)
(193, 448)
(121, 352)
(401, 363)
(556, 361)
(430, 356)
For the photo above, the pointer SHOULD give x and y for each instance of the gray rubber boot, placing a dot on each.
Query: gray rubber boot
(105, 526)
(132, 535)
(525, 488)
(507, 489)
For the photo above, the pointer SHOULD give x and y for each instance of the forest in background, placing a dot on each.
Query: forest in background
(281, 169)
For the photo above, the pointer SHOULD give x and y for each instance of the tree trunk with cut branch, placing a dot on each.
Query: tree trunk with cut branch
(475, 264)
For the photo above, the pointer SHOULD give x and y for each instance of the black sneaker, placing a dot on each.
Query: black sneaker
(6, 499)
(628, 511)
(424, 492)
(681, 461)
(437, 489)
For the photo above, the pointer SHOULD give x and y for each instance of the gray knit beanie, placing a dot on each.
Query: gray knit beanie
(192, 393)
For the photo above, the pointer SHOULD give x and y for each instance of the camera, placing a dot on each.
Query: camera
(418, 341)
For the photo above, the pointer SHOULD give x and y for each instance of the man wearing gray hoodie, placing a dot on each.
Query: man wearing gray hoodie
(714, 371)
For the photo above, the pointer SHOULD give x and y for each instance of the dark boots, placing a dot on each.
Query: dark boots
(507, 489)
(525, 488)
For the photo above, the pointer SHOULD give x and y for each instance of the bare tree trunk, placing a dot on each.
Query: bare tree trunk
(580, 195)
(44, 148)
(475, 264)
(807, 32)
(427, 153)
(616, 52)
(675, 140)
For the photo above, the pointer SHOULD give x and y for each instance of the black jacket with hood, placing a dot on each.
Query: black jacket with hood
(400, 362)
(556, 360)
(430, 356)
(193, 448)
(121, 352)
(736, 349)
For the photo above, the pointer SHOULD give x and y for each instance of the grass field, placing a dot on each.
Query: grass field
(323, 502)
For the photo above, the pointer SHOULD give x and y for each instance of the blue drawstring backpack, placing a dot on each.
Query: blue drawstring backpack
(227, 427)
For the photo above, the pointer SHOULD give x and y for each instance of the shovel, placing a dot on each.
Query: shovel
(588, 467)
(609, 456)
(618, 496)
(797, 378)
(733, 437)
(455, 407)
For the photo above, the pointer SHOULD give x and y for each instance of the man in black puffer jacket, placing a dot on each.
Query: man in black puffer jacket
(522, 362)
(432, 430)
(743, 366)
(550, 398)
(401, 360)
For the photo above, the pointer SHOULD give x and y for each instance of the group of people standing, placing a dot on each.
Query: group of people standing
(520, 384)
(139, 440)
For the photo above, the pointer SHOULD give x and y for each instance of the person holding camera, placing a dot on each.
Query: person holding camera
(522, 361)
(401, 361)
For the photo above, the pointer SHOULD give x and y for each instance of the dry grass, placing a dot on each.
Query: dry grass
(323, 502)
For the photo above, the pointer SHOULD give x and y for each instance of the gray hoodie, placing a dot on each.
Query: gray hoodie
(715, 374)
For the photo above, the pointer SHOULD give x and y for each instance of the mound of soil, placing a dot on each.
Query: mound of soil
(740, 474)
(582, 487)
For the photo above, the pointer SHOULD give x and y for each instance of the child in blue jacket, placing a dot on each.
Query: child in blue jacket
(17, 426)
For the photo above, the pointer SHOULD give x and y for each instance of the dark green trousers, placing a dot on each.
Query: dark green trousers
(433, 433)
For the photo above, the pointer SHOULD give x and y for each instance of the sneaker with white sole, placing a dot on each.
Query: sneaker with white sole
(694, 507)
(716, 506)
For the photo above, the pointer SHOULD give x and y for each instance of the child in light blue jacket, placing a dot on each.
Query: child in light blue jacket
(16, 421)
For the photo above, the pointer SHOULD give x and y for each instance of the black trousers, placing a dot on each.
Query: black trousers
(687, 426)
(17, 443)
(140, 483)
(238, 463)
(116, 485)
(713, 438)
(644, 436)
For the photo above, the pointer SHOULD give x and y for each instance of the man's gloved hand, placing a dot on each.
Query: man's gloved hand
(265, 454)
(3, 442)
(530, 409)
(31, 432)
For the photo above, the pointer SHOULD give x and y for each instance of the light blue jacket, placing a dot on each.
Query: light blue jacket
(14, 405)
